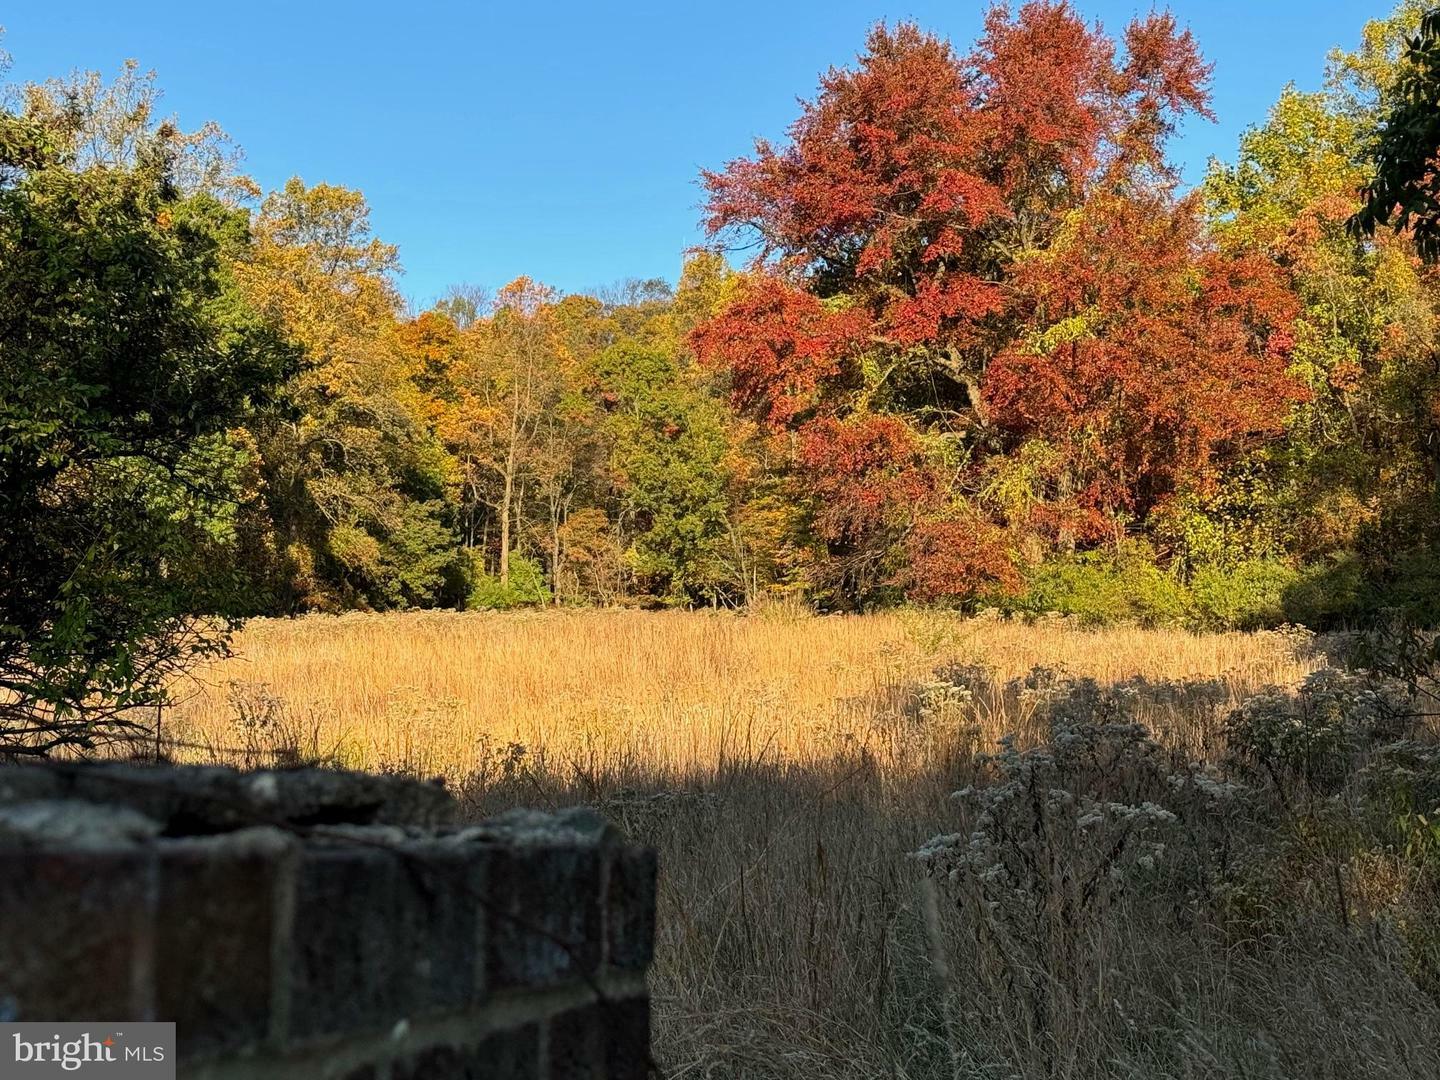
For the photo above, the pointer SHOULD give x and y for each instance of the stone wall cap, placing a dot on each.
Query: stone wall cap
(259, 840)
(578, 826)
(190, 800)
(73, 824)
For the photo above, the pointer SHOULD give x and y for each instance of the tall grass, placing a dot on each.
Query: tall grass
(448, 693)
(786, 767)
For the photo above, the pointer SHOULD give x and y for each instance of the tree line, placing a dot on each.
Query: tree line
(962, 338)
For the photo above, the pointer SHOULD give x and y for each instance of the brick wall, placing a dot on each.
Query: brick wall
(317, 924)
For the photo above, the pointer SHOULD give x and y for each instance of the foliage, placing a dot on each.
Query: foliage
(1350, 490)
(126, 356)
(117, 125)
(956, 259)
(1102, 587)
(1147, 361)
(671, 458)
(985, 351)
(1247, 596)
(1130, 585)
(355, 485)
(1404, 190)
(524, 588)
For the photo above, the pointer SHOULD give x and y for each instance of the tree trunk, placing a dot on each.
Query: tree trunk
(511, 454)
(555, 548)
(505, 527)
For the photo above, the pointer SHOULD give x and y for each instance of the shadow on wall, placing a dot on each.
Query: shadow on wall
(322, 924)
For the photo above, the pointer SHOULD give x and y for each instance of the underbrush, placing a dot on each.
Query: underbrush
(1255, 893)
(1120, 909)
(1106, 587)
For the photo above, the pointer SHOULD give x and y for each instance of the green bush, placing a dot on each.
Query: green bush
(1330, 592)
(1100, 587)
(1247, 596)
(526, 587)
(1129, 586)
(1344, 589)
(1415, 587)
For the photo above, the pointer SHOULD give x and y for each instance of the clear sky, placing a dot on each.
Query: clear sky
(563, 140)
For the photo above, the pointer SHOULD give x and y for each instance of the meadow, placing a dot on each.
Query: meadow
(571, 694)
(788, 767)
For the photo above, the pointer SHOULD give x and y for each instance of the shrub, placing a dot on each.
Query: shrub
(1319, 735)
(1072, 857)
(526, 587)
(1055, 839)
(1403, 780)
(1247, 596)
(1415, 587)
(1128, 585)
(1093, 870)
(1100, 587)
(1329, 592)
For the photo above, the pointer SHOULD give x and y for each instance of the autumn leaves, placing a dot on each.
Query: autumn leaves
(970, 260)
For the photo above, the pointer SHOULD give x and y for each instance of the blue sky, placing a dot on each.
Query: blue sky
(563, 140)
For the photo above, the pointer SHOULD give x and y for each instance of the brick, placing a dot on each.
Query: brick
(432, 1063)
(626, 1038)
(216, 924)
(76, 934)
(441, 891)
(575, 1047)
(349, 955)
(195, 800)
(257, 941)
(608, 1040)
(630, 909)
(543, 920)
(26, 783)
(506, 1055)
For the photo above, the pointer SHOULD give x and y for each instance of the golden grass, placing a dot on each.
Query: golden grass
(784, 765)
(449, 693)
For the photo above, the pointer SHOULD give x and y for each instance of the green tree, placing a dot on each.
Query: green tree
(126, 355)
(668, 457)
(1405, 190)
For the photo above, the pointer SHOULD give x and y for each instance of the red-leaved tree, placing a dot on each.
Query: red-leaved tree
(1147, 358)
(914, 228)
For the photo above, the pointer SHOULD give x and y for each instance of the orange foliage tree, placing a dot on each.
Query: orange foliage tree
(1147, 359)
(956, 254)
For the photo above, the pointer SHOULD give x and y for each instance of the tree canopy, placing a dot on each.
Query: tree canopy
(980, 347)
(126, 356)
(1405, 188)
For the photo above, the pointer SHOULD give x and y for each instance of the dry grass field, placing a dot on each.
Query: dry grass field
(675, 693)
(788, 767)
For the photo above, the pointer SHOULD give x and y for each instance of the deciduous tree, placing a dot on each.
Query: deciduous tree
(125, 357)
(900, 236)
